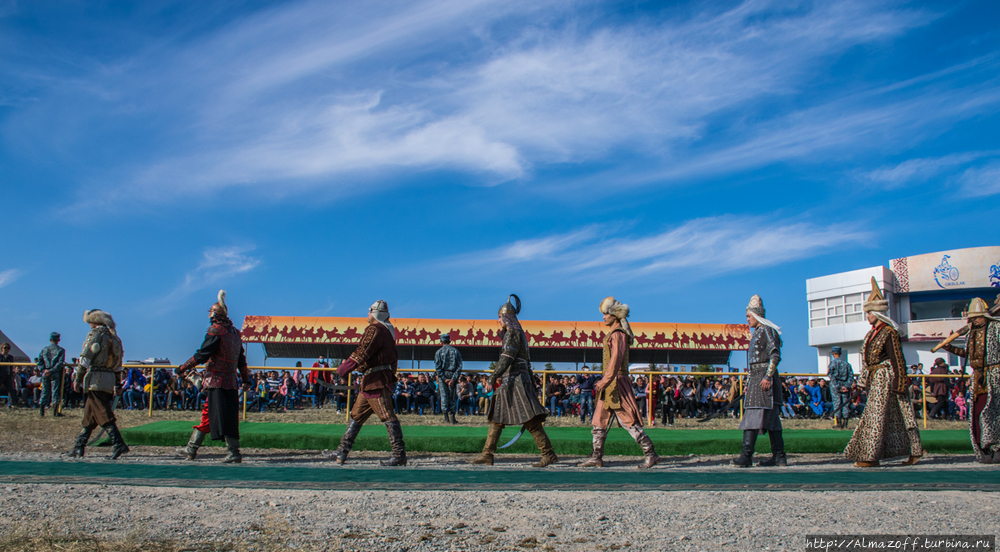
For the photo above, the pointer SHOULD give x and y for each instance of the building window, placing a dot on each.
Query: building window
(843, 309)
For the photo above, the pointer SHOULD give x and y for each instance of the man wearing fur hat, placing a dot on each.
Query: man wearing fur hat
(982, 347)
(615, 398)
(51, 361)
(225, 363)
(888, 426)
(762, 402)
(515, 401)
(376, 358)
(99, 376)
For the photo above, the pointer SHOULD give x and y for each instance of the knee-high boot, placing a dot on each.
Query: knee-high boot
(646, 443)
(81, 443)
(596, 459)
(194, 443)
(778, 457)
(396, 442)
(346, 442)
(233, 446)
(534, 426)
(117, 442)
(492, 438)
(745, 459)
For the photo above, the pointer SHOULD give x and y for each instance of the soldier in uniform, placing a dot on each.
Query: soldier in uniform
(982, 348)
(7, 374)
(762, 403)
(51, 361)
(376, 358)
(225, 363)
(888, 426)
(615, 398)
(98, 375)
(448, 366)
(841, 378)
(515, 402)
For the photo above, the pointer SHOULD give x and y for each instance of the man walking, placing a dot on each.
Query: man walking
(99, 375)
(841, 379)
(448, 366)
(51, 361)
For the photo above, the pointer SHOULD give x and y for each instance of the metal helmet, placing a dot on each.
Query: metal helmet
(512, 306)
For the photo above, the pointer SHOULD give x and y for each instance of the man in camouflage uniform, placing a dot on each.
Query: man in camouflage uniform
(99, 377)
(841, 378)
(51, 361)
(448, 366)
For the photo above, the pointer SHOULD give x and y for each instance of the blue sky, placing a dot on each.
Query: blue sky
(311, 157)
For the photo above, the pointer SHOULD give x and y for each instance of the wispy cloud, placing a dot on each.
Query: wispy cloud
(216, 266)
(981, 181)
(699, 248)
(8, 276)
(314, 94)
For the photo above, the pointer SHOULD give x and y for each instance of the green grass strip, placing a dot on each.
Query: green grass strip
(565, 440)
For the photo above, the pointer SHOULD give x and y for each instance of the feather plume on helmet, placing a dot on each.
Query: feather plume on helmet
(508, 312)
(614, 307)
(756, 309)
(100, 318)
(220, 305)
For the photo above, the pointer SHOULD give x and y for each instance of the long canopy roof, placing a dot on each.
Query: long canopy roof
(478, 340)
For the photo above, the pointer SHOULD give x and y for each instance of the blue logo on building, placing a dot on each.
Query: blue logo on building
(995, 275)
(945, 274)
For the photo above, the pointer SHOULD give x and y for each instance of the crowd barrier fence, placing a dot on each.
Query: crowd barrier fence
(649, 374)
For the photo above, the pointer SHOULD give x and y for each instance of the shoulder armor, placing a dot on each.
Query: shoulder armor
(216, 329)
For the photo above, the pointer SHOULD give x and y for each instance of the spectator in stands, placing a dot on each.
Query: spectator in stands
(720, 397)
(135, 382)
(826, 396)
(704, 396)
(586, 385)
(788, 399)
(423, 393)
(466, 395)
(815, 398)
(484, 392)
(32, 390)
(555, 391)
(7, 375)
(938, 388)
(402, 395)
(641, 392)
(567, 401)
(317, 378)
(689, 401)
(668, 399)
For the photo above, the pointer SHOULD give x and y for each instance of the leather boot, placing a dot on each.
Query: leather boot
(396, 442)
(346, 442)
(453, 420)
(492, 438)
(41, 411)
(652, 458)
(596, 459)
(745, 459)
(912, 460)
(81, 443)
(544, 445)
(233, 446)
(117, 442)
(778, 457)
(57, 409)
(864, 464)
(197, 438)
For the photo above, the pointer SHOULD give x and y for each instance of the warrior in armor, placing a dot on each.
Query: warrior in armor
(982, 348)
(225, 363)
(615, 398)
(888, 426)
(841, 378)
(515, 402)
(376, 358)
(98, 375)
(762, 402)
(51, 361)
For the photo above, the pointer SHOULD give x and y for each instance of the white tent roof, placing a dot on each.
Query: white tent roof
(19, 355)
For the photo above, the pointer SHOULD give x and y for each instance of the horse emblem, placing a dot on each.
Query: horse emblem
(945, 272)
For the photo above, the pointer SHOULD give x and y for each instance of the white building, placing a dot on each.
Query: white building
(927, 294)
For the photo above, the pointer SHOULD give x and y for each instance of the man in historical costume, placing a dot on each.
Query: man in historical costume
(888, 426)
(762, 400)
(841, 379)
(225, 363)
(615, 398)
(448, 366)
(51, 361)
(376, 358)
(515, 402)
(99, 375)
(982, 348)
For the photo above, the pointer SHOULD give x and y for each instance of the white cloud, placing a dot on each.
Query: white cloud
(981, 181)
(699, 248)
(8, 276)
(216, 266)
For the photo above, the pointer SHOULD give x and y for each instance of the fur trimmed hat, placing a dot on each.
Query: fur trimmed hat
(876, 302)
(612, 306)
(220, 305)
(99, 317)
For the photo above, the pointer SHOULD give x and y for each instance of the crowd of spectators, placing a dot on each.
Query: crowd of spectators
(565, 395)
